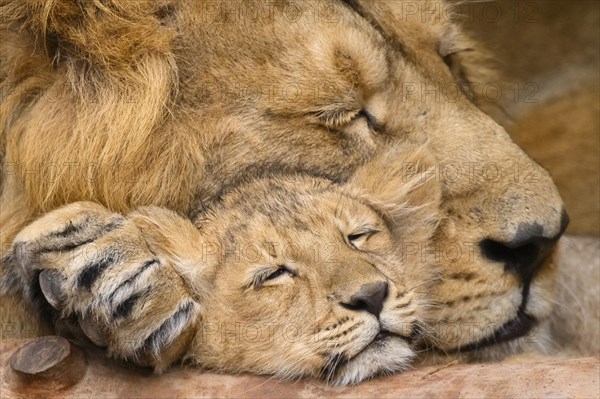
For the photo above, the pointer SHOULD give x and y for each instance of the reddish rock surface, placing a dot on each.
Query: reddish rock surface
(575, 378)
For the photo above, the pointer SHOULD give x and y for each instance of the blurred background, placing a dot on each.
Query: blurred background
(548, 51)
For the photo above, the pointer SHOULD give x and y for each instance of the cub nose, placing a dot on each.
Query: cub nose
(527, 251)
(369, 297)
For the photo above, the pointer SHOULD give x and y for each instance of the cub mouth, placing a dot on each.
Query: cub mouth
(518, 327)
(382, 335)
(385, 353)
(385, 334)
(378, 340)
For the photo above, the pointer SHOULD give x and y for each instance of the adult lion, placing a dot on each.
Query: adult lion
(169, 103)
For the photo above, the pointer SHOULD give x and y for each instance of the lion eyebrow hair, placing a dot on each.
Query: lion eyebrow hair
(355, 6)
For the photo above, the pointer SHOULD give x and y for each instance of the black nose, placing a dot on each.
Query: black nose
(527, 251)
(370, 297)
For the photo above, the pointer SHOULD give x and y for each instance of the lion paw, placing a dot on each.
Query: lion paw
(96, 267)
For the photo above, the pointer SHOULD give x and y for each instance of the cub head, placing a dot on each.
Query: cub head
(307, 277)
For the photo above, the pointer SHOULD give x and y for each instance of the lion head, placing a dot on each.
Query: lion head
(171, 103)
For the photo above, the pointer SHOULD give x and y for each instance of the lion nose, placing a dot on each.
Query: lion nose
(369, 297)
(527, 251)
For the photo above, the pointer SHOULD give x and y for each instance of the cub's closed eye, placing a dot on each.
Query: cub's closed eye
(358, 238)
(271, 276)
(277, 273)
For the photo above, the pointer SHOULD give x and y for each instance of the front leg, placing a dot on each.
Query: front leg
(118, 276)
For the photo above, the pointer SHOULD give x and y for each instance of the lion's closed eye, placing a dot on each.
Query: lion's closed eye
(372, 122)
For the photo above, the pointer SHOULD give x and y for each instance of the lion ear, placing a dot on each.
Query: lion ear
(101, 34)
(401, 184)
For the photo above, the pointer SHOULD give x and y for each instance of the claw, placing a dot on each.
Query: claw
(51, 283)
(93, 332)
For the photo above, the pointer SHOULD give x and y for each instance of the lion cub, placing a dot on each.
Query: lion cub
(286, 275)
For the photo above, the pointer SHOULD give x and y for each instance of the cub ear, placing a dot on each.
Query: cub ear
(105, 34)
(401, 184)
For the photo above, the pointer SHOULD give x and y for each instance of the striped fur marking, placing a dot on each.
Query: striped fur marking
(64, 241)
(170, 329)
(124, 309)
(94, 270)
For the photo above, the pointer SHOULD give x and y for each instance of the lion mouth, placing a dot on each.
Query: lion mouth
(512, 329)
(515, 328)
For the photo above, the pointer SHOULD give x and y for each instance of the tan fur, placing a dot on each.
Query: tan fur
(144, 103)
(201, 294)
